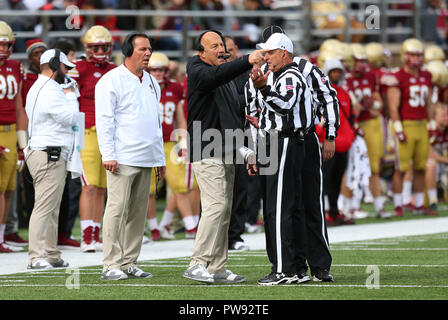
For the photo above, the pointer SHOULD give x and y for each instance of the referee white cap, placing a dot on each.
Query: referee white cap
(277, 41)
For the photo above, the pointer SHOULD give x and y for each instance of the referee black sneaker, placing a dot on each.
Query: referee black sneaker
(323, 275)
(275, 278)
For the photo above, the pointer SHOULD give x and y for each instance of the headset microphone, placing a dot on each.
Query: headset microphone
(227, 56)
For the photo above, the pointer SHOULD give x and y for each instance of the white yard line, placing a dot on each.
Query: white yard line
(17, 262)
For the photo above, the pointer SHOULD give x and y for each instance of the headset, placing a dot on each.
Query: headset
(55, 62)
(268, 31)
(128, 48)
(199, 47)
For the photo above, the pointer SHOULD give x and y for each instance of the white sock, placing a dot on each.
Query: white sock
(153, 224)
(367, 193)
(196, 219)
(355, 203)
(342, 203)
(86, 223)
(432, 195)
(2, 232)
(166, 218)
(407, 192)
(189, 222)
(378, 204)
(419, 199)
(398, 200)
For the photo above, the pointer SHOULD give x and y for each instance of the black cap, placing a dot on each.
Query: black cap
(268, 31)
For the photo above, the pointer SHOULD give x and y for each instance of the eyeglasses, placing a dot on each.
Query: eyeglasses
(97, 48)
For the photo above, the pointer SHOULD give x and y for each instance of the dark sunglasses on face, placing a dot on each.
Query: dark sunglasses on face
(95, 49)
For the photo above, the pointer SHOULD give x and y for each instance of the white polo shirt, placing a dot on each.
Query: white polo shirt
(51, 114)
(127, 118)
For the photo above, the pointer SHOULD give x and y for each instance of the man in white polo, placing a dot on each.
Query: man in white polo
(52, 113)
(131, 145)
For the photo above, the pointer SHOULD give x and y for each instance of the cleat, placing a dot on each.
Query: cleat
(87, 243)
(15, 240)
(398, 211)
(155, 235)
(191, 234)
(383, 214)
(166, 234)
(239, 246)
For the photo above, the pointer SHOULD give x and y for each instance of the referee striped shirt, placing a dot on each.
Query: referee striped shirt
(325, 102)
(285, 102)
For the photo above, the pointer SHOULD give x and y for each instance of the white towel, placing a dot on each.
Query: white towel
(74, 163)
(358, 169)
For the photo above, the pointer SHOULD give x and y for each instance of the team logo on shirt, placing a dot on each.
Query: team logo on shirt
(324, 80)
(169, 94)
(97, 74)
(289, 87)
(412, 80)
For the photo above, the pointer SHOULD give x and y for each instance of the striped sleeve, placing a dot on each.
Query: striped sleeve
(283, 97)
(324, 96)
(250, 94)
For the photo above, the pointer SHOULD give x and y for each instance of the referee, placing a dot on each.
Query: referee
(312, 240)
(286, 115)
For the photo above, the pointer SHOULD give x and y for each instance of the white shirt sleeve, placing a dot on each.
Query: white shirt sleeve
(67, 115)
(105, 102)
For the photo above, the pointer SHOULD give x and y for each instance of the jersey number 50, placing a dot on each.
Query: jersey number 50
(418, 96)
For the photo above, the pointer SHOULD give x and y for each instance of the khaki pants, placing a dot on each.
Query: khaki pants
(215, 180)
(49, 181)
(125, 216)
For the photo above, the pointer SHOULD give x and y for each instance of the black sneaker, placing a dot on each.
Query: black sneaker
(302, 277)
(323, 275)
(274, 278)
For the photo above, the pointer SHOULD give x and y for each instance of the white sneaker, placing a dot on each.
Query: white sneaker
(166, 234)
(227, 276)
(239, 246)
(252, 228)
(113, 274)
(40, 264)
(198, 272)
(13, 248)
(98, 246)
(88, 247)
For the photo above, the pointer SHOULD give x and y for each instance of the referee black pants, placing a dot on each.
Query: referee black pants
(334, 170)
(282, 194)
(311, 232)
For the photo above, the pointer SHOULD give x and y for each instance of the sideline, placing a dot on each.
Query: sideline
(16, 262)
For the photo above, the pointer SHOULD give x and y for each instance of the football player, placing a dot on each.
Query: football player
(363, 85)
(97, 43)
(177, 177)
(13, 125)
(410, 107)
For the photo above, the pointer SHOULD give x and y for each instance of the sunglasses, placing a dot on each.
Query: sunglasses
(97, 48)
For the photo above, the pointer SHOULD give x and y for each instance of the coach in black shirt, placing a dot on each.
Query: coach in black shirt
(212, 97)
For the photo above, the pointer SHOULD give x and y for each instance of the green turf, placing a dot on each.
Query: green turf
(412, 268)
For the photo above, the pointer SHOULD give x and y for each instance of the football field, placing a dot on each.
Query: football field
(369, 267)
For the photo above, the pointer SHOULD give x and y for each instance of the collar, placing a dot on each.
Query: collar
(139, 77)
(280, 71)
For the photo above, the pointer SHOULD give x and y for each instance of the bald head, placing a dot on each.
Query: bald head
(214, 51)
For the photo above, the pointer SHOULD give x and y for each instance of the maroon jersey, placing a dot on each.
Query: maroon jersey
(363, 88)
(11, 75)
(172, 94)
(440, 142)
(28, 80)
(414, 93)
(87, 75)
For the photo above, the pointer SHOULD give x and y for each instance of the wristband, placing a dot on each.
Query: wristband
(432, 125)
(22, 138)
(398, 127)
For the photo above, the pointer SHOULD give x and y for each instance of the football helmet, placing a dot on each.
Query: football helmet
(439, 72)
(96, 38)
(412, 46)
(6, 36)
(159, 61)
(375, 54)
(325, 55)
(346, 53)
(360, 58)
(328, 44)
(434, 52)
